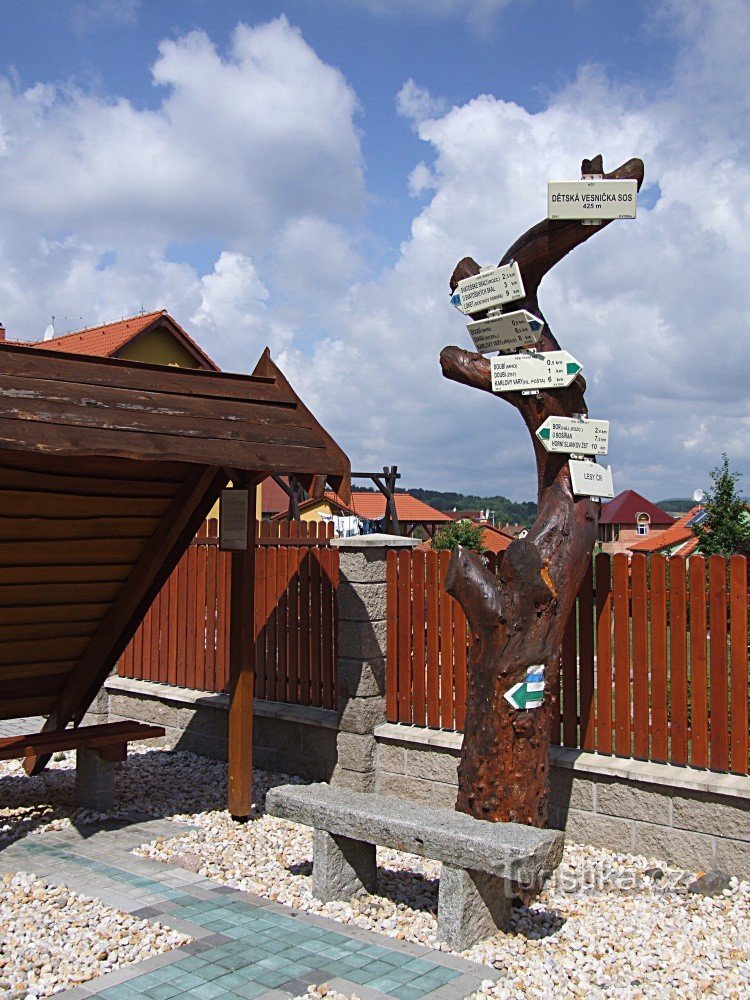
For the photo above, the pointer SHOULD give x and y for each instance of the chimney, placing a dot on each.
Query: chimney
(2, 331)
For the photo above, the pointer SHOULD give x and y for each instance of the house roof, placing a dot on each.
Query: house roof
(627, 505)
(371, 507)
(107, 340)
(676, 534)
(107, 468)
(273, 499)
(493, 539)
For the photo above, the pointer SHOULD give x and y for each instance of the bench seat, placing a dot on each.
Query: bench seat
(483, 863)
(97, 748)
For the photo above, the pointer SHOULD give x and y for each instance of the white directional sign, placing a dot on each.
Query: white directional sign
(589, 480)
(600, 199)
(534, 370)
(507, 332)
(575, 435)
(488, 289)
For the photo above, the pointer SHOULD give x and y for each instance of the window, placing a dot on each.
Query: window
(642, 522)
(642, 529)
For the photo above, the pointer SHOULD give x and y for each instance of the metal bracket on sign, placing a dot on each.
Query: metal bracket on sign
(591, 177)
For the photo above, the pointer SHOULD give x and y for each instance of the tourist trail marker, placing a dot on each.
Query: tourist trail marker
(492, 287)
(603, 199)
(506, 333)
(529, 693)
(590, 480)
(533, 370)
(575, 435)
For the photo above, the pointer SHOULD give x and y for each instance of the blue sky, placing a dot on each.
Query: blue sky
(307, 174)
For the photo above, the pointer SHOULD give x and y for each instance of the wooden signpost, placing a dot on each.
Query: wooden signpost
(507, 332)
(517, 617)
(533, 370)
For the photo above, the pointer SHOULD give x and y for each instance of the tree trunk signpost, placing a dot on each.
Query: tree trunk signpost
(517, 618)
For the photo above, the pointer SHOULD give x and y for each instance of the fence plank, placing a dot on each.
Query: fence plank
(586, 658)
(191, 612)
(327, 626)
(173, 617)
(391, 628)
(270, 624)
(621, 654)
(304, 628)
(446, 647)
(698, 664)
(639, 591)
(659, 690)
(181, 573)
(201, 562)
(404, 636)
(569, 681)
(282, 626)
(293, 636)
(433, 641)
(738, 598)
(719, 687)
(316, 604)
(603, 654)
(678, 631)
(419, 706)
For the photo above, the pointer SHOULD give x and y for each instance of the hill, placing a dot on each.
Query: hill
(506, 511)
(679, 505)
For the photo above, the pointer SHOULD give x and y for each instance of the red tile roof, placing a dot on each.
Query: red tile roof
(371, 507)
(494, 540)
(106, 340)
(627, 505)
(274, 499)
(676, 534)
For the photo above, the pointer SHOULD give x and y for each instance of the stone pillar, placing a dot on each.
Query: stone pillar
(362, 651)
(95, 781)
(472, 906)
(342, 868)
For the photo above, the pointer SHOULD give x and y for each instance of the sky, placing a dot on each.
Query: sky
(306, 175)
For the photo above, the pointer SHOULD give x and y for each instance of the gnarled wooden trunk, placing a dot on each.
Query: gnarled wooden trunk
(517, 619)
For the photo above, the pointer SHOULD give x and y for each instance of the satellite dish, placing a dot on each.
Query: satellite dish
(49, 333)
(699, 496)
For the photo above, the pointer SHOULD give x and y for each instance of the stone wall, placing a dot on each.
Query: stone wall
(696, 819)
(288, 738)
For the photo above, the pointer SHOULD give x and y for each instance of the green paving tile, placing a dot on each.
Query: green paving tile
(166, 973)
(358, 976)
(375, 969)
(384, 984)
(230, 963)
(419, 965)
(250, 990)
(164, 991)
(273, 962)
(209, 991)
(210, 970)
(231, 979)
(190, 962)
(398, 958)
(408, 992)
(188, 981)
(269, 978)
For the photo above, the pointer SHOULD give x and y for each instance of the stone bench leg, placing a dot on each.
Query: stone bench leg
(95, 781)
(342, 868)
(471, 906)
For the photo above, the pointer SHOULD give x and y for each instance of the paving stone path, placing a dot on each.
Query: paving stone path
(244, 946)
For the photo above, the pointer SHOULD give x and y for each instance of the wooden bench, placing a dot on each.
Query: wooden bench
(483, 863)
(97, 748)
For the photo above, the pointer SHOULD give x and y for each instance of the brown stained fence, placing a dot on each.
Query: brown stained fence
(654, 660)
(184, 638)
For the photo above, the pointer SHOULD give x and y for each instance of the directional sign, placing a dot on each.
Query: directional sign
(507, 332)
(534, 370)
(589, 480)
(575, 435)
(488, 289)
(592, 199)
(529, 693)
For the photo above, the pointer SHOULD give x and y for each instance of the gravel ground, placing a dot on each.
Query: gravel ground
(52, 939)
(607, 925)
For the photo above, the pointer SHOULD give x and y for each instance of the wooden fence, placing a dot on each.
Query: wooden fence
(184, 638)
(654, 662)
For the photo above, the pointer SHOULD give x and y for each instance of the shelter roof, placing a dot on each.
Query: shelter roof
(106, 340)
(627, 505)
(107, 468)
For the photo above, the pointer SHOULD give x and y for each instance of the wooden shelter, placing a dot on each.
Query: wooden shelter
(107, 469)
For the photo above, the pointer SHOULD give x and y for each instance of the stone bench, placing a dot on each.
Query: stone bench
(482, 862)
(97, 748)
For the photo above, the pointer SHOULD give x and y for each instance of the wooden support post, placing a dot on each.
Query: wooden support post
(242, 673)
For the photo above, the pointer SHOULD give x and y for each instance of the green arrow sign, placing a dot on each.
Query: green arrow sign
(529, 693)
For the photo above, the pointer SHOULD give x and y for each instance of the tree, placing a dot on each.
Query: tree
(461, 532)
(726, 528)
(518, 617)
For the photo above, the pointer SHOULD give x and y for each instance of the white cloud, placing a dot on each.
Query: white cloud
(89, 15)
(482, 15)
(417, 103)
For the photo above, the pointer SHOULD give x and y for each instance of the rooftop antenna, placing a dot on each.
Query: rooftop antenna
(49, 333)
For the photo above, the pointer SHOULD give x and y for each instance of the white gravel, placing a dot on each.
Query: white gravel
(601, 928)
(52, 939)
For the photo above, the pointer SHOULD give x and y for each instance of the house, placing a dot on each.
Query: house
(369, 507)
(513, 531)
(628, 519)
(676, 540)
(152, 338)
(494, 539)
